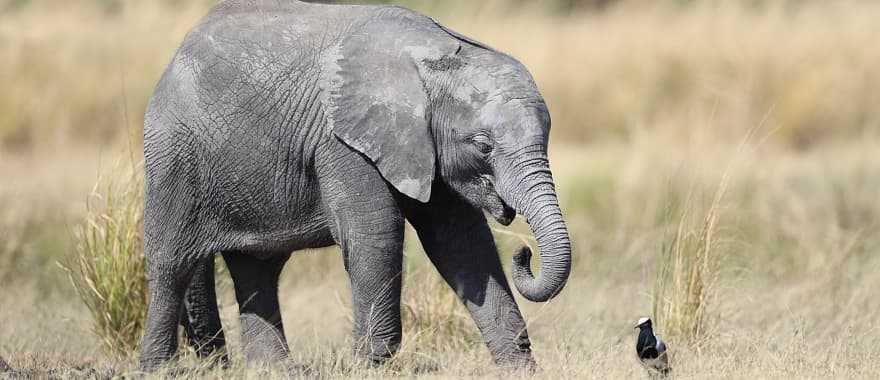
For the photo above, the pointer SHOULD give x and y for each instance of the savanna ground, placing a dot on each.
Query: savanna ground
(718, 164)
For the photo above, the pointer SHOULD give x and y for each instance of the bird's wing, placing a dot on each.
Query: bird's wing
(646, 345)
(661, 345)
(662, 362)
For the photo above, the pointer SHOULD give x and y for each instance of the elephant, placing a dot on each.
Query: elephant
(283, 125)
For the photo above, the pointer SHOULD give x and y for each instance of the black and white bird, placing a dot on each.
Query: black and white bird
(651, 350)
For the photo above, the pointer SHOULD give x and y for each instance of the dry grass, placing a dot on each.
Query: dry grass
(687, 273)
(649, 101)
(794, 297)
(107, 269)
(433, 317)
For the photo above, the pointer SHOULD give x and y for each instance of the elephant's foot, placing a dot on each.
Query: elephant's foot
(376, 352)
(216, 358)
(282, 369)
(516, 355)
(263, 339)
(301, 371)
(156, 363)
(210, 347)
(520, 361)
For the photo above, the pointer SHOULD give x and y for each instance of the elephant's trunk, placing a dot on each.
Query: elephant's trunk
(536, 199)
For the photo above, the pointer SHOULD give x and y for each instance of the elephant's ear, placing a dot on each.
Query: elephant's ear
(378, 100)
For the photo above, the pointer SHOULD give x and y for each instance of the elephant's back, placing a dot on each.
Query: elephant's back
(247, 59)
(250, 68)
(238, 114)
(280, 20)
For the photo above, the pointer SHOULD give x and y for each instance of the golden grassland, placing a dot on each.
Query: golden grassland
(657, 109)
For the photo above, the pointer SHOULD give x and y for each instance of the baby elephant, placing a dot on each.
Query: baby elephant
(283, 125)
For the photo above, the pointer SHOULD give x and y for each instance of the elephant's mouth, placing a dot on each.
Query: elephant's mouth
(504, 215)
(481, 194)
(499, 210)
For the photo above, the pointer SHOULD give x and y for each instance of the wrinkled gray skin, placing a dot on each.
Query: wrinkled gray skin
(282, 125)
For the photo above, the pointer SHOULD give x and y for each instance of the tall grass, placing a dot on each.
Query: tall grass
(107, 268)
(433, 317)
(690, 262)
(688, 272)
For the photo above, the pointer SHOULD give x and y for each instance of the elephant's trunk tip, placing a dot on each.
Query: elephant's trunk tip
(522, 258)
(525, 280)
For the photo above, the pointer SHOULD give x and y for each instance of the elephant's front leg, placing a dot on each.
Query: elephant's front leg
(458, 241)
(368, 226)
(374, 269)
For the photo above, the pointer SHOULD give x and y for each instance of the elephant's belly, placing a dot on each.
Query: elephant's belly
(262, 216)
(297, 234)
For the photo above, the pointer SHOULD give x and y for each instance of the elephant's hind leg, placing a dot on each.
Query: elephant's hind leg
(256, 290)
(166, 283)
(201, 318)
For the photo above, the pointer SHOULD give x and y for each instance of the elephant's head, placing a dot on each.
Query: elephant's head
(425, 104)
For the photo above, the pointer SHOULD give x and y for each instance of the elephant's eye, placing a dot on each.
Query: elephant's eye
(482, 143)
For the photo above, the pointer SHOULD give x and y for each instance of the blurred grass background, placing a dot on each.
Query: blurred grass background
(652, 103)
(72, 70)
